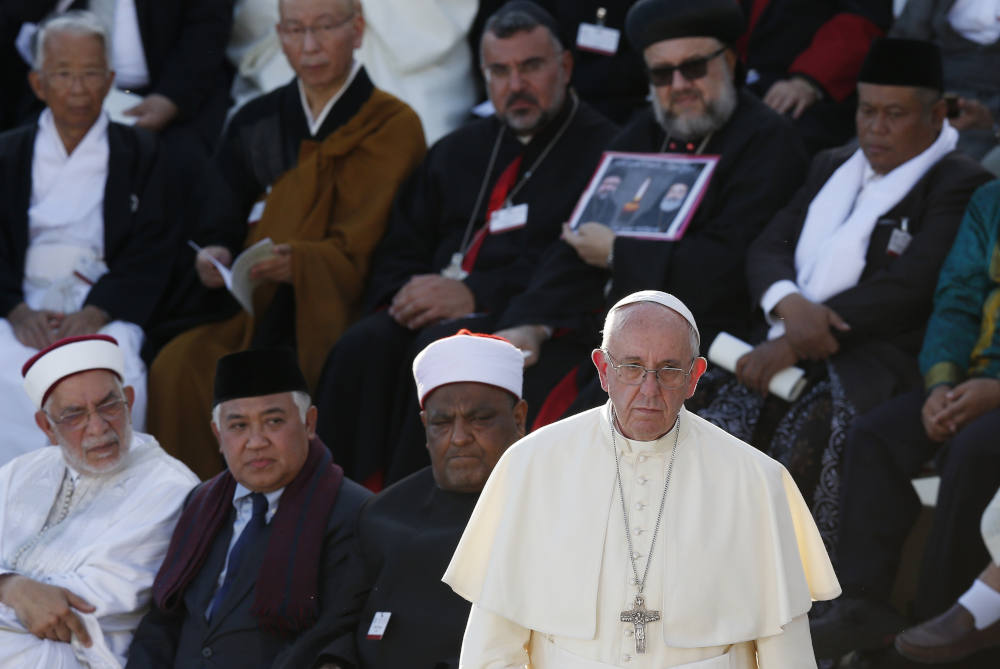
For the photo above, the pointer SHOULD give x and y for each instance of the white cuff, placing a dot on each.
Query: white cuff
(778, 291)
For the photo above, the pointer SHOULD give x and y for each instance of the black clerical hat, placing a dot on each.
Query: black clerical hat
(256, 372)
(536, 12)
(903, 62)
(651, 21)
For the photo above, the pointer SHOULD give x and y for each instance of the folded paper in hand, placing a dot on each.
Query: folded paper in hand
(237, 277)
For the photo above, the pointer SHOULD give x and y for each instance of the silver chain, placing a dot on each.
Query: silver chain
(641, 583)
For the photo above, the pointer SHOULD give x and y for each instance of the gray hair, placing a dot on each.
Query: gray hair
(611, 324)
(507, 22)
(301, 399)
(77, 22)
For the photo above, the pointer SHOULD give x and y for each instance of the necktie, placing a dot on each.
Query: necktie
(247, 538)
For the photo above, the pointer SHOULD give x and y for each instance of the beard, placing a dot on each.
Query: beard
(77, 459)
(671, 203)
(717, 113)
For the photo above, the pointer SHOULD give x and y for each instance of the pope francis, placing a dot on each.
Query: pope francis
(637, 534)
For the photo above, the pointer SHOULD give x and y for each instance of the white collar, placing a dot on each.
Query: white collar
(47, 128)
(272, 497)
(316, 123)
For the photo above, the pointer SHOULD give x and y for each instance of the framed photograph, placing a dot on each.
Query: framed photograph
(646, 195)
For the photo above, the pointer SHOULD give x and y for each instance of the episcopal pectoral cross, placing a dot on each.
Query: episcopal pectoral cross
(639, 616)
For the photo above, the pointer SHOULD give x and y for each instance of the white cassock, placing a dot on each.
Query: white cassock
(737, 562)
(107, 547)
(419, 52)
(66, 242)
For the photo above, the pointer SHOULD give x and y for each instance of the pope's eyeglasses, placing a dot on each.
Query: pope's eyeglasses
(632, 374)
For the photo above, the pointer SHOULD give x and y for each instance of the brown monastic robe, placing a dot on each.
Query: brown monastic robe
(331, 208)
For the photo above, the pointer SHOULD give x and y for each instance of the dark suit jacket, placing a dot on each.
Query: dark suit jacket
(184, 42)
(889, 307)
(138, 242)
(232, 638)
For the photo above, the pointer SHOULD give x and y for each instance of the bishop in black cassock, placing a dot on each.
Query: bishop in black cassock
(364, 393)
(761, 162)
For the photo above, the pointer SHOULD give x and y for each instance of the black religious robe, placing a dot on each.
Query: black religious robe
(366, 393)
(761, 162)
(406, 536)
(138, 239)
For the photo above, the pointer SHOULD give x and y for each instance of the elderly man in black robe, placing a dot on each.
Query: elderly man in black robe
(697, 107)
(464, 235)
(469, 386)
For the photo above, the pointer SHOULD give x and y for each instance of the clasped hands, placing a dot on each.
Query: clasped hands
(47, 611)
(948, 409)
(42, 327)
(276, 268)
(808, 335)
(428, 298)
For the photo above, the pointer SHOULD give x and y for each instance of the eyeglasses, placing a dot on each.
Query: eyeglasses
(295, 33)
(64, 79)
(526, 68)
(110, 411)
(631, 374)
(696, 68)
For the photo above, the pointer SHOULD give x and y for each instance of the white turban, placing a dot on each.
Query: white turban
(67, 357)
(468, 356)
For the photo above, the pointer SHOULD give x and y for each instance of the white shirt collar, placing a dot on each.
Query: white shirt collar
(316, 123)
(272, 499)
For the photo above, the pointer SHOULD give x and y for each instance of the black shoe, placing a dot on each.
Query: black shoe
(854, 624)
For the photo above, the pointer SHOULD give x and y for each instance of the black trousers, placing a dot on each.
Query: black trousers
(886, 448)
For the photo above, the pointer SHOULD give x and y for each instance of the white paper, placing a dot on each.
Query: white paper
(509, 218)
(379, 623)
(726, 351)
(237, 278)
(598, 38)
(117, 101)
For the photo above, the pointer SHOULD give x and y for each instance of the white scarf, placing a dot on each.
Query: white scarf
(830, 255)
(976, 20)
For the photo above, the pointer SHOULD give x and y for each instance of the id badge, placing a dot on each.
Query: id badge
(899, 240)
(379, 623)
(509, 218)
(599, 39)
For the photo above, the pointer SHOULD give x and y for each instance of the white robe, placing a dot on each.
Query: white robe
(66, 233)
(419, 52)
(737, 561)
(107, 550)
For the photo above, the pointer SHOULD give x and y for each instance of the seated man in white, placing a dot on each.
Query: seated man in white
(83, 242)
(85, 523)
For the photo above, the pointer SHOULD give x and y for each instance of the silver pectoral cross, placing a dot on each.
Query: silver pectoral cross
(639, 617)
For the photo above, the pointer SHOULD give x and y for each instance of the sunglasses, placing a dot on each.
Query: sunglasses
(696, 68)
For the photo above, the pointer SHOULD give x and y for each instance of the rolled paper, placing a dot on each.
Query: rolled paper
(726, 350)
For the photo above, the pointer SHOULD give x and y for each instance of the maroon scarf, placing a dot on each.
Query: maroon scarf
(287, 587)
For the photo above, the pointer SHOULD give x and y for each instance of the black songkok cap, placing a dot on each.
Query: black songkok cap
(651, 21)
(536, 12)
(256, 372)
(903, 62)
